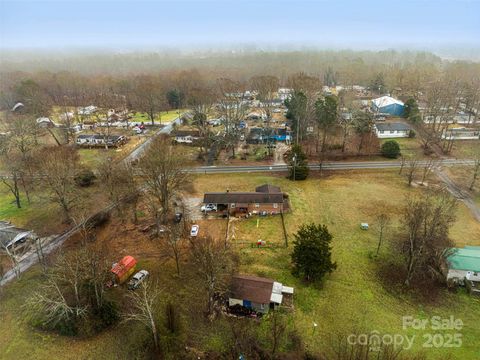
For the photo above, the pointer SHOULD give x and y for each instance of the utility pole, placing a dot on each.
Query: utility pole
(298, 128)
(294, 165)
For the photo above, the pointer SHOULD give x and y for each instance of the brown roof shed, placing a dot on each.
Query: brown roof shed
(252, 288)
(242, 197)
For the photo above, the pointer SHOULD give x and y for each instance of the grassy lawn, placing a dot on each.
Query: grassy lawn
(162, 117)
(350, 299)
(409, 147)
(93, 157)
(469, 149)
(40, 213)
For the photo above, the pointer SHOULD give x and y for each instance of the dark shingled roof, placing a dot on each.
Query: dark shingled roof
(182, 133)
(8, 232)
(242, 197)
(252, 288)
(392, 127)
(267, 188)
(100, 137)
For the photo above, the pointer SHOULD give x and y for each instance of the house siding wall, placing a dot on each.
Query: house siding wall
(396, 134)
(461, 274)
(269, 208)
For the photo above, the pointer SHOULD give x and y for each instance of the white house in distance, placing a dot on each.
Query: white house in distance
(392, 130)
(464, 263)
(186, 136)
(284, 93)
(461, 134)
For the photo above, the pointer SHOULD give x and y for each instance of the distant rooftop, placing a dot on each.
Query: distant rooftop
(392, 127)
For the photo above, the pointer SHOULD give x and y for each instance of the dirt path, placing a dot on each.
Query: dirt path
(280, 151)
(459, 194)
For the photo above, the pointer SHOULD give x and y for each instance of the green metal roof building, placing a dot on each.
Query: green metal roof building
(464, 263)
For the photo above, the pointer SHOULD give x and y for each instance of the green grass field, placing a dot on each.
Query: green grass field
(162, 117)
(350, 299)
(410, 148)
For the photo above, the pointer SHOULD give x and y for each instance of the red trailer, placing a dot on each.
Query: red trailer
(124, 268)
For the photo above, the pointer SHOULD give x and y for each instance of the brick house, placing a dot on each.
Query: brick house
(267, 200)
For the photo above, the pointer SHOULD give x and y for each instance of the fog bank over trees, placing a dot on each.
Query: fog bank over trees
(238, 63)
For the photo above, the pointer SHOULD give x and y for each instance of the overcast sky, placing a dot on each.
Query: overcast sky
(147, 24)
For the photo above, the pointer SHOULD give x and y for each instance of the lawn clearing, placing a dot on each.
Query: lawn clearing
(161, 118)
(410, 148)
(351, 298)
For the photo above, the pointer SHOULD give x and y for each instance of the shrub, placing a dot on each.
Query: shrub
(106, 315)
(412, 134)
(85, 178)
(391, 149)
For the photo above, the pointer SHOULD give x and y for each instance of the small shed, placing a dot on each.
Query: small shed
(256, 293)
(124, 268)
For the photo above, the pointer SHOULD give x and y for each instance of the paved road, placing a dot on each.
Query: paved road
(28, 261)
(458, 193)
(139, 151)
(325, 166)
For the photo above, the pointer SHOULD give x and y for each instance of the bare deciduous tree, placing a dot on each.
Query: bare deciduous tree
(383, 221)
(411, 170)
(214, 266)
(427, 220)
(427, 169)
(162, 169)
(144, 308)
(57, 168)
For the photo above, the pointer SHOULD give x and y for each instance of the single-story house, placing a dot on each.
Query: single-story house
(463, 117)
(281, 134)
(256, 116)
(256, 293)
(93, 140)
(464, 263)
(87, 110)
(267, 199)
(461, 134)
(11, 235)
(186, 136)
(45, 122)
(392, 130)
(388, 105)
(284, 93)
(255, 136)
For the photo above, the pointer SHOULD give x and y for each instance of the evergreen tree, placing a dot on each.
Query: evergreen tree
(311, 257)
(297, 159)
(411, 111)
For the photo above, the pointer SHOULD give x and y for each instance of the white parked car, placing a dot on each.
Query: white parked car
(194, 231)
(208, 207)
(137, 279)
